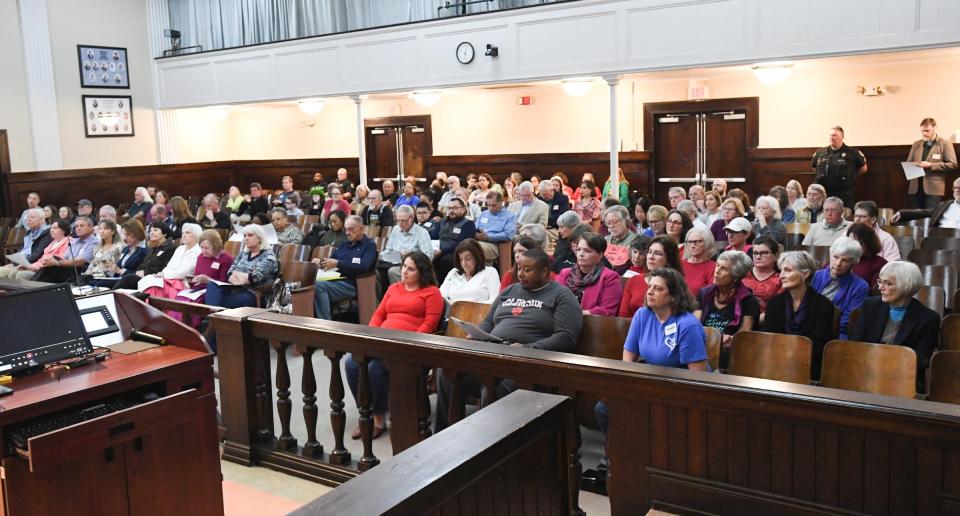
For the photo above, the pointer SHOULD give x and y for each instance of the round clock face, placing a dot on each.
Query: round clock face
(465, 52)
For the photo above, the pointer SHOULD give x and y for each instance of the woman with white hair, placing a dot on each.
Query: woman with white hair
(839, 284)
(896, 317)
(255, 266)
(698, 268)
(799, 309)
(569, 229)
(181, 264)
(142, 202)
(767, 222)
(728, 305)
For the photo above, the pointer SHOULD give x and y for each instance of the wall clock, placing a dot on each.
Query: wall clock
(465, 52)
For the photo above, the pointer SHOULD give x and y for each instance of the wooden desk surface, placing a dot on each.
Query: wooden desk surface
(59, 388)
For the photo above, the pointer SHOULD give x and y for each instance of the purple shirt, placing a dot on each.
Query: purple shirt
(215, 267)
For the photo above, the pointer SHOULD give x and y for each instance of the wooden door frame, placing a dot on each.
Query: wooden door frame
(651, 110)
(6, 202)
(399, 121)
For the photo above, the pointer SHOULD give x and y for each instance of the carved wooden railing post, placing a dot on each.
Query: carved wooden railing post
(455, 409)
(308, 385)
(286, 441)
(237, 366)
(338, 418)
(489, 392)
(365, 407)
(409, 405)
(261, 391)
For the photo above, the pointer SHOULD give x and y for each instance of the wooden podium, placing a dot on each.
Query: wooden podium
(159, 457)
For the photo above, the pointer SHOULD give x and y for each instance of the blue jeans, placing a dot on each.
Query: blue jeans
(229, 297)
(327, 292)
(379, 379)
(603, 416)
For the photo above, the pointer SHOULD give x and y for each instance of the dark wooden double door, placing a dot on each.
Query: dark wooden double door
(698, 141)
(396, 147)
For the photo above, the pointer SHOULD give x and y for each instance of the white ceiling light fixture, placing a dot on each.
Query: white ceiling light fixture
(109, 119)
(578, 86)
(310, 106)
(427, 98)
(219, 113)
(773, 72)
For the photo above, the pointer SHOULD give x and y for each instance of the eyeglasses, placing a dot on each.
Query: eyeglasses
(694, 242)
(761, 254)
(675, 222)
(656, 253)
(885, 283)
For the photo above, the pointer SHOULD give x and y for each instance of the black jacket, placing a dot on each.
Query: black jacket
(818, 325)
(919, 330)
(38, 245)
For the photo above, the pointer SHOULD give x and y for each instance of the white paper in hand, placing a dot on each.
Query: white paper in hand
(474, 332)
(18, 259)
(149, 281)
(912, 170)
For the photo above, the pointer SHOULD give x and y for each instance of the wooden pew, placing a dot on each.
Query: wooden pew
(700, 442)
(513, 456)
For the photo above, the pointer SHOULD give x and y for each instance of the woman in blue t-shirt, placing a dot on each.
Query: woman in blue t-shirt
(664, 332)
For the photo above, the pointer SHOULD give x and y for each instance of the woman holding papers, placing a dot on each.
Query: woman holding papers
(212, 264)
(173, 278)
(256, 266)
(414, 304)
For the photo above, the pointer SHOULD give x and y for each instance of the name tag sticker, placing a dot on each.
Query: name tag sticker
(355, 260)
(456, 231)
(670, 329)
(215, 265)
(556, 207)
(935, 156)
(427, 224)
(484, 220)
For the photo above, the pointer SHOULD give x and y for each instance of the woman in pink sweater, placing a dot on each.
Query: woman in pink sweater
(414, 304)
(596, 287)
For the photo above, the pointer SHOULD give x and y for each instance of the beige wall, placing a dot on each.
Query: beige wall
(795, 113)
(73, 23)
(14, 111)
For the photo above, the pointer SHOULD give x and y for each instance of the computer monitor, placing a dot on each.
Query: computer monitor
(40, 326)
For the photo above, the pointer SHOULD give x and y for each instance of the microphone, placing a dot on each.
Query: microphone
(76, 271)
(147, 337)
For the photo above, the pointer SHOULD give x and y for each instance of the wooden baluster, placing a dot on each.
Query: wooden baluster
(423, 399)
(489, 392)
(365, 407)
(338, 418)
(261, 393)
(308, 385)
(574, 470)
(455, 410)
(284, 406)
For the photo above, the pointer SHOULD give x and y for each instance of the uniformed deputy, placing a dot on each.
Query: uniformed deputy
(837, 167)
(935, 155)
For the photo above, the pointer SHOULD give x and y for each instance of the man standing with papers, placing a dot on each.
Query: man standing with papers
(934, 154)
(355, 256)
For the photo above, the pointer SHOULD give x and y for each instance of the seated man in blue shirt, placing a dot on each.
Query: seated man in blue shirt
(355, 256)
(495, 225)
(79, 254)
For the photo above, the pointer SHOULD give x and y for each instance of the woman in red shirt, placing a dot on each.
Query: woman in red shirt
(414, 304)
(764, 279)
(697, 266)
(662, 252)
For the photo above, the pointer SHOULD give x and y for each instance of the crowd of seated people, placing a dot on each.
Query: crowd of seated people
(712, 259)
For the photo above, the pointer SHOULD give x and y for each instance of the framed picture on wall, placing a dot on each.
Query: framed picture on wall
(107, 115)
(103, 67)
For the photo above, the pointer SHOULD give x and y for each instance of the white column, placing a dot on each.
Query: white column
(158, 19)
(361, 138)
(614, 138)
(41, 90)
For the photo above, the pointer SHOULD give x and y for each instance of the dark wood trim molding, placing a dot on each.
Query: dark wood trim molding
(6, 205)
